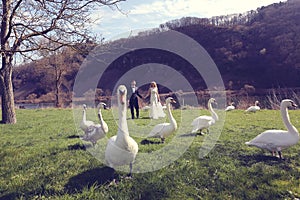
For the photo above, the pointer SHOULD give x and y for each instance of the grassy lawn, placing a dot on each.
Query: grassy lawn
(42, 157)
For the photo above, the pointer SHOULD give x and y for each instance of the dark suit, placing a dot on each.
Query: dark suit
(134, 102)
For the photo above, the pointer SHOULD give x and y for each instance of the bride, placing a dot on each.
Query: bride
(156, 109)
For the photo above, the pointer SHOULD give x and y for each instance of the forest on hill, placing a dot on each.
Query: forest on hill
(258, 50)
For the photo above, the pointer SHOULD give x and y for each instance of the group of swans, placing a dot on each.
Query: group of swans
(275, 140)
(122, 149)
(249, 109)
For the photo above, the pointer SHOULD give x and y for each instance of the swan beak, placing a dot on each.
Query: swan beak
(173, 101)
(294, 105)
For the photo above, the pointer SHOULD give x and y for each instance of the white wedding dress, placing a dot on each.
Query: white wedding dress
(156, 109)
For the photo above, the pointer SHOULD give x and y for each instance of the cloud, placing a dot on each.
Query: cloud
(152, 13)
(200, 8)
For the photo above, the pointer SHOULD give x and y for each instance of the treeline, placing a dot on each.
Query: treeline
(260, 49)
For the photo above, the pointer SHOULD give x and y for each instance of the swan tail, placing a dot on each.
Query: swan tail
(248, 143)
(194, 130)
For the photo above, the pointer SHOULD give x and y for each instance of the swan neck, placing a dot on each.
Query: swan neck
(123, 128)
(286, 119)
(83, 115)
(101, 120)
(212, 112)
(170, 116)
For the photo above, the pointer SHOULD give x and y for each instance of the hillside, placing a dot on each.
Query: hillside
(259, 48)
(264, 52)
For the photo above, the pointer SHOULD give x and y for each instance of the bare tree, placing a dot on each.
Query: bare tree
(55, 66)
(26, 22)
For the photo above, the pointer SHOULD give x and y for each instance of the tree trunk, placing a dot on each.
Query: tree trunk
(57, 102)
(7, 94)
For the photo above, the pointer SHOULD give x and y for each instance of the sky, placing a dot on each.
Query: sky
(139, 15)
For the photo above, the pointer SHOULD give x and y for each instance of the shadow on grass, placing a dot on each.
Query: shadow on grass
(97, 176)
(26, 194)
(189, 135)
(145, 142)
(73, 136)
(77, 147)
(248, 160)
(9, 196)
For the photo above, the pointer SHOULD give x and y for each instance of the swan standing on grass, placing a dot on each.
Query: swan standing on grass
(97, 131)
(204, 121)
(163, 130)
(230, 107)
(276, 140)
(253, 108)
(121, 149)
(84, 124)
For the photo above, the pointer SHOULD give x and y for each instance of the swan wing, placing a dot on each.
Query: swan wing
(159, 129)
(202, 122)
(253, 109)
(84, 125)
(273, 139)
(250, 109)
(228, 108)
(118, 156)
(131, 146)
(105, 127)
(94, 134)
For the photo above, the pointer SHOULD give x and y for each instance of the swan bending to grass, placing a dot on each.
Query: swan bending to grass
(204, 121)
(121, 149)
(96, 132)
(253, 108)
(163, 130)
(276, 140)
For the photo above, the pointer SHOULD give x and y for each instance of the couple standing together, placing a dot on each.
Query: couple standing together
(156, 109)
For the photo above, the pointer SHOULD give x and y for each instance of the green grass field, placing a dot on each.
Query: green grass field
(42, 157)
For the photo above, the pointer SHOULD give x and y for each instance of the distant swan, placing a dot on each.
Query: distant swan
(121, 148)
(84, 124)
(97, 131)
(253, 108)
(204, 121)
(276, 140)
(230, 107)
(163, 130)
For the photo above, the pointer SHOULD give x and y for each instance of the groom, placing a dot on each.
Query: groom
(133, 100)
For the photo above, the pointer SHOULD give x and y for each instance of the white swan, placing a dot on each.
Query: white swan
(97, 131)
(84, 124)
(204, 121)
(276, 140)
(253, 108)
(163, 130)
(230, 107)
(121, 148)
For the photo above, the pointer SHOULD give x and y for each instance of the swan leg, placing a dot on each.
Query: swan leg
(130, 171)
(273, 153)
(162, 140)
(200, 132)
(280, 154)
